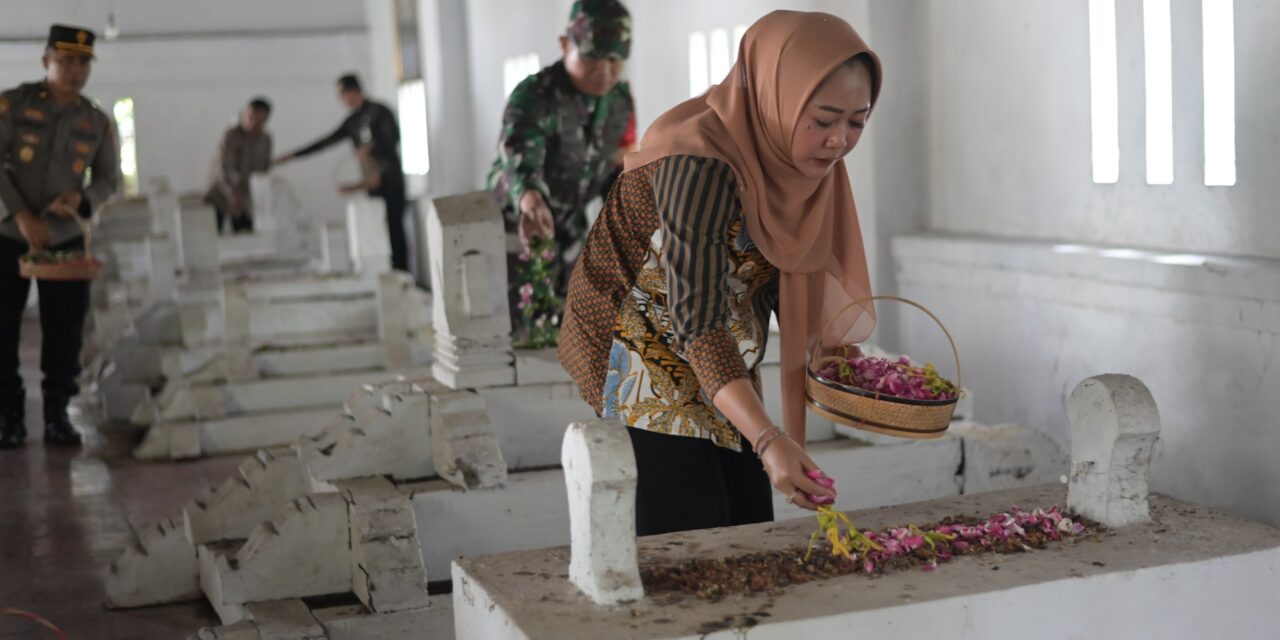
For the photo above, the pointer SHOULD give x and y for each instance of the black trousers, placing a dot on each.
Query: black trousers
(392, 194)
(63, 306)
(243, 224)
(690, 483)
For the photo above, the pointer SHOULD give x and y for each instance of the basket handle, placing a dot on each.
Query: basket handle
(87, 230)
(954, 352)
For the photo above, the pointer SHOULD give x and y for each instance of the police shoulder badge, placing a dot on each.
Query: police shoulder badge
(26, 154)
(4, 105)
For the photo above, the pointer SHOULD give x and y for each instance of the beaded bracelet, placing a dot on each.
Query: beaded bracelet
(765, 434)
(768, 439)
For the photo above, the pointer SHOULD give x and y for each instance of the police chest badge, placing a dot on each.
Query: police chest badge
(83, 148)
(78, 166)
(26, 154)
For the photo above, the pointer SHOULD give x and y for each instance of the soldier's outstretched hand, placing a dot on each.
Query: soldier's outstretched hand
(536, 220)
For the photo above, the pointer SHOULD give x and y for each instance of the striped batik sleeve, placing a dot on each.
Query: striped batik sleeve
(697, 201)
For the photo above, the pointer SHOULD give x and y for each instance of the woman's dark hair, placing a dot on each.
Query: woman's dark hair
(349, 82)
(864, 60)
(260, 104)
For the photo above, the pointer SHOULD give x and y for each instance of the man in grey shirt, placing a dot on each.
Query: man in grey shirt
(52, 139)
(245, 149)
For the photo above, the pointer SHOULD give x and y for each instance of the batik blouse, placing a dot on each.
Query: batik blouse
(669, 302)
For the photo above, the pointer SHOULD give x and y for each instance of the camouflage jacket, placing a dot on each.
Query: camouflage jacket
(561, 142)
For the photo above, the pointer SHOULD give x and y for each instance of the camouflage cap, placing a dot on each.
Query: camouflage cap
(600, 29)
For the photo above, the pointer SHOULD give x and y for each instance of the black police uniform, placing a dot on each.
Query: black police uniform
(375, 125)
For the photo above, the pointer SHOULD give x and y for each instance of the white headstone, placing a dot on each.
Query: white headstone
(164, 267)
(463, 445)
(370, 247)
(237, 335)
(277, 211)
(1114, 430)
(197, 229)
(393, 318)
(468, 279)
(164, 207)
(335, 250)
(600, 475)
(387, 573)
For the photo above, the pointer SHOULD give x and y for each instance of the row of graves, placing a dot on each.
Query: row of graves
(408, 474)
(219, 344)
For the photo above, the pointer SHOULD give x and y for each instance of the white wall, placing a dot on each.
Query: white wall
(658, 69)
(380, 24)
(1032, 322)
(1010, 131)
(498, 30)
(187, 89)
(1008, 135)
(137, 18)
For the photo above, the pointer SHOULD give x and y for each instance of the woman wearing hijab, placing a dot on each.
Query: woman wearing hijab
(736, 205)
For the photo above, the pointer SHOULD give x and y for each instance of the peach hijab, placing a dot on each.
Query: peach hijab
(806, 227)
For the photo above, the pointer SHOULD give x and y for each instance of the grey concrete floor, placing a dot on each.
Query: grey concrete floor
(65, 515)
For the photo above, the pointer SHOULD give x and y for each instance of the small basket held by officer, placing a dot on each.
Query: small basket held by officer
(59, 162)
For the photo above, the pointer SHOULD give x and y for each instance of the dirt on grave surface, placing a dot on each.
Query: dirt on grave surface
(771, 571)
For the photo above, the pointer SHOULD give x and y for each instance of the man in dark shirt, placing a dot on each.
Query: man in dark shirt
(372, 129)
(52, 138)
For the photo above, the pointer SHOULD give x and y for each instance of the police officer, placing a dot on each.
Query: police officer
(51, 137)
(244, 150)
(372, 129)
(564, 131)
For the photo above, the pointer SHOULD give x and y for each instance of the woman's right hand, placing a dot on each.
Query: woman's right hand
(787, 465)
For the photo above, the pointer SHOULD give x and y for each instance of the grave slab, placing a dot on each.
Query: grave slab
(157, 568)
(1151, 580)
(303, 550)
(434, 622)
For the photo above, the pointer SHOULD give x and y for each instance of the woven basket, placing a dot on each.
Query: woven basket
(81, 267)
(872, 411)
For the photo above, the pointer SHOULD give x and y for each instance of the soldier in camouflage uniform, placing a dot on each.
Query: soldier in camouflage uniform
(564, 131)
